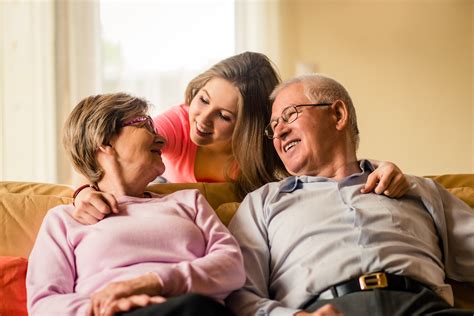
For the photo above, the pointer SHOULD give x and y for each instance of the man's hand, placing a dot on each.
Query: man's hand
(387, 179)
(326, 310)
(149, 284)
(92, 206)
(125, 304)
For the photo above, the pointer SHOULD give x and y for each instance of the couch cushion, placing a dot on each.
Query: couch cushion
(12, 286)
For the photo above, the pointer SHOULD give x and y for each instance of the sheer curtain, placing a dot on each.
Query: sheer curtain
(49, 60)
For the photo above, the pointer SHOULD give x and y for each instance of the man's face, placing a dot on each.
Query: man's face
(304, 146)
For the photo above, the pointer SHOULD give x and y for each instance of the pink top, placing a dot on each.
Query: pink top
(177, 236)
(179, 153)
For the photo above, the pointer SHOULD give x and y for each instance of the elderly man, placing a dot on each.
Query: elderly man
(314, 238)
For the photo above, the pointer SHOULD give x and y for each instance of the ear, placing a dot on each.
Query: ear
(106, 149)
(342, 114)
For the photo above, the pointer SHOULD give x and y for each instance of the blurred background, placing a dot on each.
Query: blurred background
(408, 65)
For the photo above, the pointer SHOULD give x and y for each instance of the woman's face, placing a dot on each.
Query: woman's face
(138, 151)
(213, 113)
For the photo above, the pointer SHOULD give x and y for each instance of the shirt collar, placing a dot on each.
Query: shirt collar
(293, 183)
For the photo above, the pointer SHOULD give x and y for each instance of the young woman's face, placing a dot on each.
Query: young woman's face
(213, 113)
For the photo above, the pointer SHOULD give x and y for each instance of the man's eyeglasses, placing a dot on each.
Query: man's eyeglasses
(142, 122)
(288, 115)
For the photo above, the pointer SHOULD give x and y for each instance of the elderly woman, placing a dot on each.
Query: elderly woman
(152, 255)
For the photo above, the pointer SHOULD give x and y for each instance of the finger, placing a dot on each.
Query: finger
(96, 307)
(111, 202)
(91, 210)
(105, 305)
(384, 182)
(370, 183)
(100, 205)
(157, 299)
(397, 189)
(327, 310)
(86, 219)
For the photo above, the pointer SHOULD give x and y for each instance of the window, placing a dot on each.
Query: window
(153, 49)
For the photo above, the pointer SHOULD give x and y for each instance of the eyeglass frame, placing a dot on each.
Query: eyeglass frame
(287, 121)
(149, 125)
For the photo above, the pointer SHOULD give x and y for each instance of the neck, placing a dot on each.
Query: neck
(120, 188)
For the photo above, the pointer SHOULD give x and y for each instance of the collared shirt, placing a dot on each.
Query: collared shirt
(305, 234)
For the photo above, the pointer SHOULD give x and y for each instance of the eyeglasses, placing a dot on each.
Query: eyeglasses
(288, 115)
(142, 121)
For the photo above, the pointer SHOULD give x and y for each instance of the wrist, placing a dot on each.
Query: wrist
(79, 189)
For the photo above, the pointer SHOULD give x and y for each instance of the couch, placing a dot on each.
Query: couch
(23, 206)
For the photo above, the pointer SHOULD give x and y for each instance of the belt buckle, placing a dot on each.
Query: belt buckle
(371, 281)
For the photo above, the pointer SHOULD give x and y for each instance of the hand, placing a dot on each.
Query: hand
(92, 206)
(149, 284)
(326, 310)
(125, 304)
(387, 179)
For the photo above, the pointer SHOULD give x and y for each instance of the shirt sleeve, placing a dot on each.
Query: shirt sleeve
(219, 272)
(172, 126)
(458, 239)
(250, 229)
(51, 271)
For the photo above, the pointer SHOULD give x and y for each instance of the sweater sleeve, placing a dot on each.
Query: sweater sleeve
(51, 271)
(219, 272)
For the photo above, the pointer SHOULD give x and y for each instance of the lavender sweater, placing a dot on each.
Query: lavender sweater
(177, 236)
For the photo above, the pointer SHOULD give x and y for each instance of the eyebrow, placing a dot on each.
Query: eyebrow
(209, 96)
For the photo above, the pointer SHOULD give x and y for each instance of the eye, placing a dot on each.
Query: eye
(203, 99)
(274, 124)
(290, 115)
(224, 117)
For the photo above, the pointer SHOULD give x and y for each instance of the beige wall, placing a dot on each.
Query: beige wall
(409, 66)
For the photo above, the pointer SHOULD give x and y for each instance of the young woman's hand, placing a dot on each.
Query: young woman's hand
(149, 284)
(92, 206)
(387, 179)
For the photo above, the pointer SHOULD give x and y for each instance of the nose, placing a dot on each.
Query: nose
(281, 131)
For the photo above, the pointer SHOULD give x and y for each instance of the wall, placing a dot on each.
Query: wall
(409, 66)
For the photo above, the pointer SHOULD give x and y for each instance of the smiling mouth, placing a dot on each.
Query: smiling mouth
(290, 145)
(202, 131)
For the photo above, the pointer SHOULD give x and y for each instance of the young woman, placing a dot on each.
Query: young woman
(218, 135)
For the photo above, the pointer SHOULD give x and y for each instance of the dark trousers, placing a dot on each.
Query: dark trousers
(391, 303)
(184, 305)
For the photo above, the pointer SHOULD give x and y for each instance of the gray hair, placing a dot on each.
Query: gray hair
(321, 89)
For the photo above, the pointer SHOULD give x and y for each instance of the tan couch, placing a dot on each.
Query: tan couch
(23, 206)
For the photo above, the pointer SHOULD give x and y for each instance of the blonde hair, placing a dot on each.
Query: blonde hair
(92, 123)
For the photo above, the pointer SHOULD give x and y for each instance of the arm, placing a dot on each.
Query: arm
(219, 272)
(388, 179)
(455, 224)
(51, 271)
(249, 228)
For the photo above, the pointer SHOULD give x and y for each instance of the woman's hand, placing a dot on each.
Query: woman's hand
(387, 179)
(149, 284)
(326, 310)
(92, 206)
(125, 304)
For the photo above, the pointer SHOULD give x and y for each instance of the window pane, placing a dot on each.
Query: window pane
(153, 49)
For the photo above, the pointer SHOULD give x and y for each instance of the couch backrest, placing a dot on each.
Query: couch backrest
(24, 204)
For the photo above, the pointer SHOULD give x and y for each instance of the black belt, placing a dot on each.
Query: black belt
(378, 280)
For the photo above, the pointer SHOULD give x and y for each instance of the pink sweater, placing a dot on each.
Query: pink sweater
(177, 236)
(179, 152)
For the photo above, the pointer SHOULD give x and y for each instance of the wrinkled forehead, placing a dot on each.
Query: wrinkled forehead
(291, 95)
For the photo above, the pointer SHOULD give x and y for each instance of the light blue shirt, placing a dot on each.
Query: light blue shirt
(304, 234)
